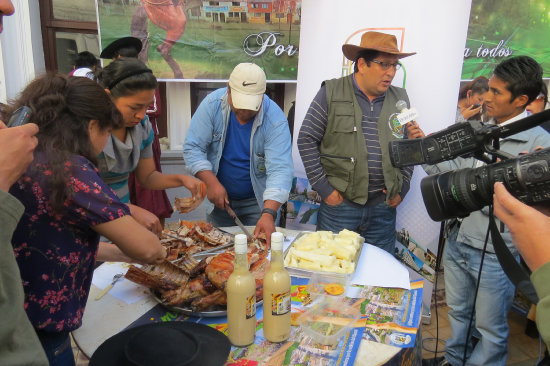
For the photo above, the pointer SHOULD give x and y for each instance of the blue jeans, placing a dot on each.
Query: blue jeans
(375, 223)
(247, 210)
(494, 297)
(57, 347)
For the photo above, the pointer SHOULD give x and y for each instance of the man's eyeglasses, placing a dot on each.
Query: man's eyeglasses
(387, 65)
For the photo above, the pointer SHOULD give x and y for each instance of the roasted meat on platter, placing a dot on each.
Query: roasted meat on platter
(192, 237)
(200, 286)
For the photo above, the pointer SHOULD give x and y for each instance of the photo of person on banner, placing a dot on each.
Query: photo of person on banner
(201, 40)
(239, 145)
(352, 171)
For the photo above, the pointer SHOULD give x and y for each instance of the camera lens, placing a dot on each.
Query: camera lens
(457, 193)
(454, 194)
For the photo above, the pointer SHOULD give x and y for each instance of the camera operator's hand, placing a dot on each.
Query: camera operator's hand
(18, 144)
(414, 131)
(335, 198)
(529, 227)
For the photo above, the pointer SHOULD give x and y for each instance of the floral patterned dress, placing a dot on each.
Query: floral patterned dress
(56, 251)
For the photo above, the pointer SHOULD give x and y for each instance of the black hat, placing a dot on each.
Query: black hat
(171, 343)
(111, 51)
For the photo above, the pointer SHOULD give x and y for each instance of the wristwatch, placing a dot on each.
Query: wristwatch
(271, 212)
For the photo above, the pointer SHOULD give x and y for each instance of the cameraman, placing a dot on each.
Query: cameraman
(530, 230)
(514, 84)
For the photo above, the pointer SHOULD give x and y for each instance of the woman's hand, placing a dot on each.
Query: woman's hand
(136, 243)
(196, 186)
(147, 219)
(471, 111)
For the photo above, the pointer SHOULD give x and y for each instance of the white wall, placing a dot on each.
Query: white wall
(435, 29)
(22, 55)
(179, 113)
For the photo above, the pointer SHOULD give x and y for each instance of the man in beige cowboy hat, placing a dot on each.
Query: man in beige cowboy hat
(343, 143)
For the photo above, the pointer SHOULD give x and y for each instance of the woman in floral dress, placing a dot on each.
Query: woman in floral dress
(68, 207)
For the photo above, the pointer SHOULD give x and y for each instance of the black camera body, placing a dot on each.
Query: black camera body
(458, 193)
(458, 140)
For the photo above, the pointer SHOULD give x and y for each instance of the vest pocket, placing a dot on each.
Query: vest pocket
(344, 119)
(339, 170)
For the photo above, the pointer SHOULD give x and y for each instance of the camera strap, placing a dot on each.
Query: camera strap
(514, 270)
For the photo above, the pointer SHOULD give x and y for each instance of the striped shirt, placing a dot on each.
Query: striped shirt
(313, 130)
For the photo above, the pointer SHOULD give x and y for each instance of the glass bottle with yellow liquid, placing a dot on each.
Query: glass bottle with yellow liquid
(277, 294)
(241, 298)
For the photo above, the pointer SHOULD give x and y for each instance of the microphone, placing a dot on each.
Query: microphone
(405, 115)
(398, 120)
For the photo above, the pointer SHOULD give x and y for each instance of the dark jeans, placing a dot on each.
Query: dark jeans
(374, 223)
(57, 347)
(247, 210)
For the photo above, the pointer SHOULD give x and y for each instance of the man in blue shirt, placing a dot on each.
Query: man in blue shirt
(239, 144)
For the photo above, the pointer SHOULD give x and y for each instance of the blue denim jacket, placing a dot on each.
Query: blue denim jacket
(474, 227)
(271, 166)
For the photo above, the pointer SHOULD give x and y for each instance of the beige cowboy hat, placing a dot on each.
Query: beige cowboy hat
(377, 41)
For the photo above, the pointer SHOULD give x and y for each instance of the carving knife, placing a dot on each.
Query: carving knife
(238, 222)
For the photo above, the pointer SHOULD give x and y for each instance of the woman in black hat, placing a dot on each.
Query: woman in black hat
(131, 86)
(67, 207)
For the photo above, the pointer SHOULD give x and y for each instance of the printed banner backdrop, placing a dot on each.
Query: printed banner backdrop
(435, 29)
(504, 28)
(193, 41)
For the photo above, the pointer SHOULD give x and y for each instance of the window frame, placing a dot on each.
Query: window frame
(50, 26)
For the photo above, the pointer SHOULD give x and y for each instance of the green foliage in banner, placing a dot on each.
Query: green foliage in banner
(503, 28)
(209, 50)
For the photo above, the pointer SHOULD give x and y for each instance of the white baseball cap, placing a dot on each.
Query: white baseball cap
(247, 83)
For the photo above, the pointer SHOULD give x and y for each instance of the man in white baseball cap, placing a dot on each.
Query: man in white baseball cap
(239, 144)
(247, 83)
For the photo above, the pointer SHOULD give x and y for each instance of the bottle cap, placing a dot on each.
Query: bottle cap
(277, 241)
(241, 243)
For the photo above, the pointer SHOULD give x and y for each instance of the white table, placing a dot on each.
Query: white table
(109, 315)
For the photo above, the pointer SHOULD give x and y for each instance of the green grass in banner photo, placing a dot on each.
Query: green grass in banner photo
(207, 50)
(507, 28)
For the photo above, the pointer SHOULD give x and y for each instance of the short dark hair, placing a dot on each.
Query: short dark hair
(85, 59)
(523, 75)
(368, 55)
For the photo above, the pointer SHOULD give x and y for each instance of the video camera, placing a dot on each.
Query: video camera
(458, 193)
